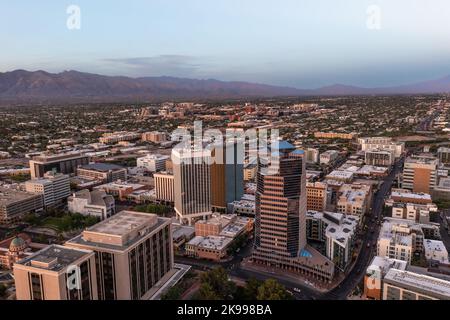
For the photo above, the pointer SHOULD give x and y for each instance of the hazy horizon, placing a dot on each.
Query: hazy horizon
(302, 44)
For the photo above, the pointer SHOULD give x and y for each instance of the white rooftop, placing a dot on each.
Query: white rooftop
(419, 281)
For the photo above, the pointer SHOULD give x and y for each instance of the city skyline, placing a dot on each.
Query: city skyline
(217, 156)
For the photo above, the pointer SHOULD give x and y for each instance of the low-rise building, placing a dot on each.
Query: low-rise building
(328, 157)
(379, 157)
(334, 135)
(243, 207)
(416, 212)
(383, 143)
(65, 163)
(154, 136)
(54, 187)
(103, 172)
(392, 279)
(400, 238)
(312, 155)
(375, 273)
(14, 204)
(119, 189)
(407, 196)
(317, 196)
(442, 190)
(228, 225)
(405, 285)
(152, 162)
(92, 203)
(354, 199)
(16, 248)
(115, 137)
(435, 251)
(340, 175)
(209, 247)
(336, 231)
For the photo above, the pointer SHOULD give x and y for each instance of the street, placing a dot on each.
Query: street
(356, 275)
(353, 277)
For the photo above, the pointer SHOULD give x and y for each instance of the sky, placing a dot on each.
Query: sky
(297, 43)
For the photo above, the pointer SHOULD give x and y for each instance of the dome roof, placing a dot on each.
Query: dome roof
(17, 244)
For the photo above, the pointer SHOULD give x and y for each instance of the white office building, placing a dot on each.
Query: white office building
(152, 162)
(54, 187)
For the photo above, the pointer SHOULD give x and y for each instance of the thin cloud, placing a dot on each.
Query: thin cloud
(170, 65)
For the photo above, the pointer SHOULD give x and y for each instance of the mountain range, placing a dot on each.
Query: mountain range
(40, 87)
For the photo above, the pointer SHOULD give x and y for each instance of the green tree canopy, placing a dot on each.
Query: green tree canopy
(272, 290)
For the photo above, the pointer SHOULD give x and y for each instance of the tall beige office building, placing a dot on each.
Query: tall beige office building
(192, 184)
(133, 253)
(56, 273)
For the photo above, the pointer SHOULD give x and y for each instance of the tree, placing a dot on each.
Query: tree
(206, 292)
(217, 281)
(249, 291)
(173, 293)
(272, 290)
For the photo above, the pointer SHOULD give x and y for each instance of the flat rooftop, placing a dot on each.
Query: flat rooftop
(54, 258)
(419, 283)
(121, 230)
(101, 167)
(421, 160)
(124, 222)
(58, 157)
(211, 242)
(120, 185)
(8, 196)
(411, 195)
(384, 264)
(340, 174)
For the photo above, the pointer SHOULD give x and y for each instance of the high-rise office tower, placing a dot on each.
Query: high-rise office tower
(280, 226)
(280, 216)
(227, 174)
(192, 183)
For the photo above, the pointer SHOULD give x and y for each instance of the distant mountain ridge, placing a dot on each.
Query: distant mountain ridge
(40, 87)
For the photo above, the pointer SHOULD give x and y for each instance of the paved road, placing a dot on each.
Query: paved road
(356, 275)
(425, 124)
